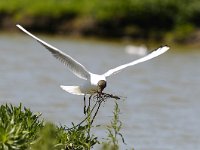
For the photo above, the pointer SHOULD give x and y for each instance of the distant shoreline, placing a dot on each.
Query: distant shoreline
(80, 32)
(155, 20)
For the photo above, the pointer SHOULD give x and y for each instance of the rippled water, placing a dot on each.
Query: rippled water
(162, 108)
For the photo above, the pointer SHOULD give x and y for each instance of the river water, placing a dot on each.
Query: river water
(161, 110)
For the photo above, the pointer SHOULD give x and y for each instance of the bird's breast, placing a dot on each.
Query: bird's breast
(89, 88)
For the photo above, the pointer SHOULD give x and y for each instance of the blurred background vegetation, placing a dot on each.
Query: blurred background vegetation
(158, 20)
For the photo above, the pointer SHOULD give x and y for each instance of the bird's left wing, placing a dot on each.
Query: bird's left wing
(153, 54)
(73, 65)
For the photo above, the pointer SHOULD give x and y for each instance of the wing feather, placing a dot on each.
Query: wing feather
(153, 54)
(73, 65)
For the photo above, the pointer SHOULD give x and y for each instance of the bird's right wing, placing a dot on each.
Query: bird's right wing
(153, 54)
(73, 65)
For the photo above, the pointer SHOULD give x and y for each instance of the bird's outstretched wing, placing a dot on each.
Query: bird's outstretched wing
(153, 54)
(74, 66)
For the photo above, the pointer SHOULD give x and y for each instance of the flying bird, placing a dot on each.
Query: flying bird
(94, 83)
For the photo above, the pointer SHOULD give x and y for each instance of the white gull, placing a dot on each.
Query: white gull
(94, 83)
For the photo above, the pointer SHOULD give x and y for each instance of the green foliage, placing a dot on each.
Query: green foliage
(52, 137)
(46, 138)
(182, 32)
(77, 138)
(163, 12)
(136, 18)
(114, 131)
(192, 13)
(18, 127)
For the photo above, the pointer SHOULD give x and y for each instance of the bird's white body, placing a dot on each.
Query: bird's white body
(92, 80)
(89, 86)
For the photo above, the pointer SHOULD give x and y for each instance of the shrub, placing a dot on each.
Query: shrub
(18, 127)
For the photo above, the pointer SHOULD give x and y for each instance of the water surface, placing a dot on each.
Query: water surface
(161, 111)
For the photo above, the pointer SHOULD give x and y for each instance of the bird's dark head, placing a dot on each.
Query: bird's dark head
(101, 85)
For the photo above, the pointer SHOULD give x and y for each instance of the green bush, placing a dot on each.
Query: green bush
(52, 137)
(18, 127)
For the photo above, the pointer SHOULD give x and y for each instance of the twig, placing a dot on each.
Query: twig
(85, 117)
(99, 97)
(99, 102)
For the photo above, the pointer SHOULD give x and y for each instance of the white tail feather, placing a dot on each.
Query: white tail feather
(72, 89)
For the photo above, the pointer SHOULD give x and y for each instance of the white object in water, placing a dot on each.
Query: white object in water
(136, 50)
(94, 83)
